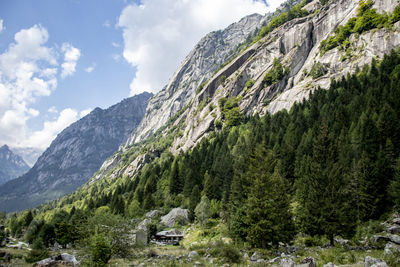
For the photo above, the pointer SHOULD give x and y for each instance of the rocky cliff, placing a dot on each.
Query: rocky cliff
(11, 165)
(210, 53)
(295, 44)
(76, 153)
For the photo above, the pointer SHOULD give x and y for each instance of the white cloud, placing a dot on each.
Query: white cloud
(90, 68)
(42, 139)
(52, 109)
(1, 25)
(71, 56)
(115, 44)
(85, 112)
(158, 34)
(28, 69)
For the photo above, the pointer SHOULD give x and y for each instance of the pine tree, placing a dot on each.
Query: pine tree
(394, 189)
(175, 183)
(267, 209)
(193, 201)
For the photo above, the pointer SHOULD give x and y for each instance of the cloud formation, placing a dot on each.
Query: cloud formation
(71, 56)
(1, 25)
(158, 34)
(28, 71)
(90, 68)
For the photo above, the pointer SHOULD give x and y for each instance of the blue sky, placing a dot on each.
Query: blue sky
(60, 59)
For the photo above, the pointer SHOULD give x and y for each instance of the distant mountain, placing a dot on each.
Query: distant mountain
(76, 153)
(29, 154)
(11, 165)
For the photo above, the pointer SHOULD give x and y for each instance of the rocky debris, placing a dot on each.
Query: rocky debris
(193, 254)
(308, 262)
(152, 214)
(372, 262)
(176, 215)
(395, 239)
(256, 256)
(329, 264)
(341, 242)
(64, 259)
(393, 229)
(287, 262)
(391, 248)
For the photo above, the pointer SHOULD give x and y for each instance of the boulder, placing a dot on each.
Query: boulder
(391, 248)
(193, 254)
(143, 224)
(256, 256)
(152, 214)
(395, 239)
(372, 262)
(176, 215)
(61, 260)
(393, 229)
(396, 220)
(308, 262)
(329, 264)
(286, 262)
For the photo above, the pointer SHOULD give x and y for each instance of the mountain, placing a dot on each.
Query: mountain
(11, 165)
(75, 154)
(293, 140)
(190, 111)
(29, 154)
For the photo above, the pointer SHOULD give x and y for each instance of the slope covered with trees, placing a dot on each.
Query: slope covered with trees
(323, 168)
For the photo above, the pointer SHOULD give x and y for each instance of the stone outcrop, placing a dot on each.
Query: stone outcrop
(75, 154)
(59, 260)
(176, 215)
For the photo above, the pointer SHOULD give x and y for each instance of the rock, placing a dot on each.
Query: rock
(143, 224)
(393, 229)
(256, 256)
(152, 214)
(380, 238)
(61, 260)
(329, 264)
(193, 254)
(341, 241)
(372, 262)
(391, 248)
(141, 236)
(176, 215)
(197, 263)
(261, 261)
(276, 259)
(286, 262)
(395, 239)
(396, 220)
(141, 265)
(308, 262)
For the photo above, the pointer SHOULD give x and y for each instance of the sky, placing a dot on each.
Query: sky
(61, 59)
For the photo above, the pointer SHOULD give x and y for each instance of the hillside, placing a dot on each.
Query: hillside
(73, 157)
(288, 150)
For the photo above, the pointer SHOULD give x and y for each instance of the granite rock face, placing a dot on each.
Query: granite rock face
(75, 154)
(213, 50)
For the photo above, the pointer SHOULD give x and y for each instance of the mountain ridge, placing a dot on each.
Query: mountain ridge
(75, 154)
(11, 165)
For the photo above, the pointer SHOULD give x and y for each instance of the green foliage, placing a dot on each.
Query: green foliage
(225, 251)
(275, 74)
(317, 70)
(367, 18)
(394, 189)
(249, 83)
(100, 250)
(267, 211)
(202, 210)
(230, 111)
(296, 11)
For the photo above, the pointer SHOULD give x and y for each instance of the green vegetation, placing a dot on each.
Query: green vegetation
(317, 70)
(230, 111)
(296, 11)
(275, 74)
(367, 18)
(325, 168)
(249, 83)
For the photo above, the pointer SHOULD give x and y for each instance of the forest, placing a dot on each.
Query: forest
(324, 168)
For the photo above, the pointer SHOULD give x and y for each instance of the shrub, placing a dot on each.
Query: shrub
(317, 70)
(275, 74)
(100, 250)
(225, 251)
(249, 83)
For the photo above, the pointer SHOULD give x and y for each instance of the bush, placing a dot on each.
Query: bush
(275, 74)
(38, 252)
(100, 250)
(228, 252)
(317, 70)
(249, 83)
